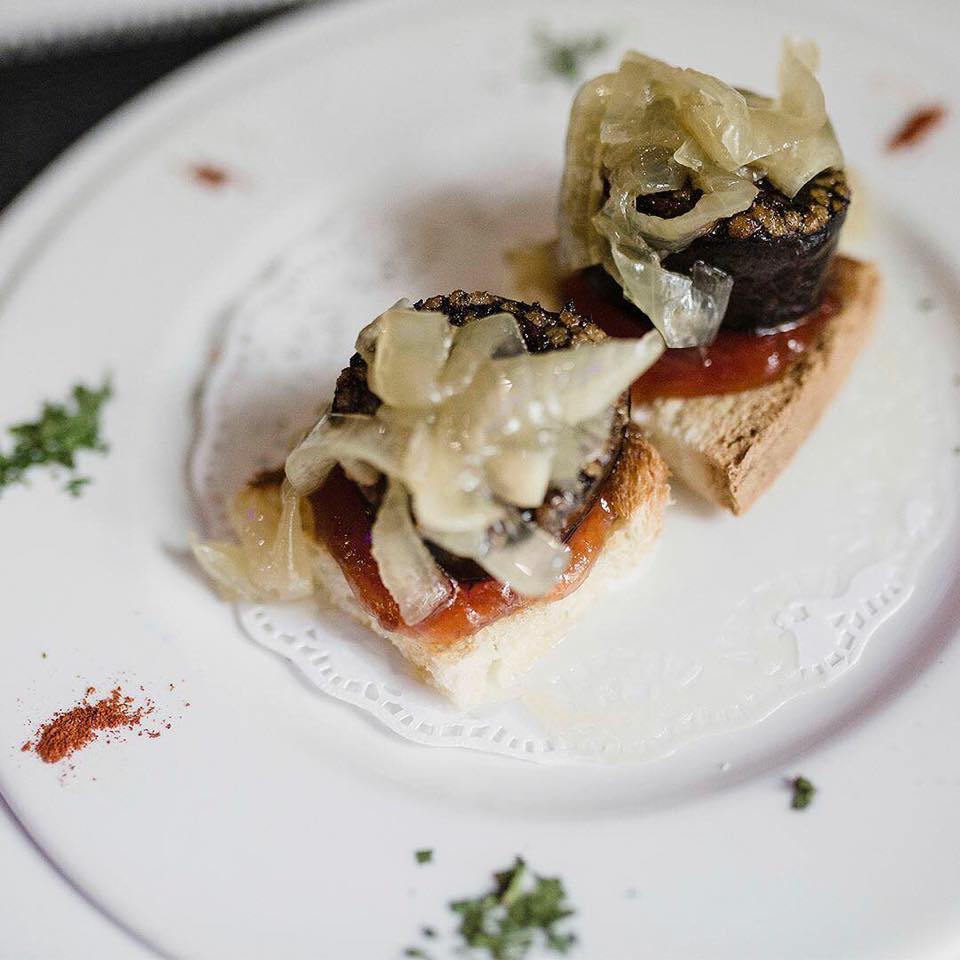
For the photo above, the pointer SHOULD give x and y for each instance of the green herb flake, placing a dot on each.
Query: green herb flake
(75, 486)
(565, 58)
(416, 953)
(424, 856)
(521, 910)
(56, 438)
(925, 304)
(803, 791)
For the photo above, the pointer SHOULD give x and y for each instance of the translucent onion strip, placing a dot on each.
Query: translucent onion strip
(492, 429)
(687, 310)
(652, 127)
(581, 192)
(272, 560)
(380, 441)
(480, 340)
(411, 352)
(578, 384)
(407, 569)
(522, 556)
(531, 563)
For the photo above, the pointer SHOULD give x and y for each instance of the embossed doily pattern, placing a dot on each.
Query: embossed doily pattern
(601, 694)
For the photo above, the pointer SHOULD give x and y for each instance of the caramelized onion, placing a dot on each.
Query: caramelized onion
(483, 339)
(407, 569)
(380, 441)
(575, 385)
(581, 192)
(272, 558)
(652, 127)
(517, 553)
(471, 431)
(687, 310)
(412, 347)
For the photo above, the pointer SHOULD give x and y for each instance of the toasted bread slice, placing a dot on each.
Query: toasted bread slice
(487, 665)
(730, 447)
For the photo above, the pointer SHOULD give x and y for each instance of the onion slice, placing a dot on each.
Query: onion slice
(581, 192)
(411, 351)
(579, 383)
(521, 474)
(652, 127)
(379, 441)
(483, 339)
(272, 560)
(472, 430)
(406, 567)
(578, 446)
(687, 310)
(448, 489)
(794, 166)
(531, 563)
(518, 554)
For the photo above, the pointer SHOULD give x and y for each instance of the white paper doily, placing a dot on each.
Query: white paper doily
(650, 669)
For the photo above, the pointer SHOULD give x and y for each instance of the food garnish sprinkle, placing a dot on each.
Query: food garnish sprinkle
(424, 856)
(565, 58)
(803, 791)
(56, 437)
(73, 729)
(917, 126)
(521, 910)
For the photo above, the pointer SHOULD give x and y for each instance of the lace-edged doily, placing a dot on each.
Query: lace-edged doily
(603, 693)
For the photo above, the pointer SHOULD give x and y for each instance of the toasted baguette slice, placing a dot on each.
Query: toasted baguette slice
(487, 665)
(730, 447)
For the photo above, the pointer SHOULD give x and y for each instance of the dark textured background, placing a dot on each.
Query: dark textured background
(50, 96)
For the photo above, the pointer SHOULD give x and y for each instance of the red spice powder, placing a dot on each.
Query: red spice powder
(210, 175)
(917, 126)
(73, 729)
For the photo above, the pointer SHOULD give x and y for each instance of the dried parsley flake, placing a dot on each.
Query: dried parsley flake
(565, 58)
(56, 437)
(803, 791)
(522, 909)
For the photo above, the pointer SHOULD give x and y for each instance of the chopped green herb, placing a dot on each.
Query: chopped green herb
(424, 856)
(75, 486)
(522, 909)
(564, 58)
(925, 304)
(803, 791)
(56, 438)
(956, 451)
(417, 953)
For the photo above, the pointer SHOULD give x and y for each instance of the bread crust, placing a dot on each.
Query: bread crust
(731, 447)
(487, 665)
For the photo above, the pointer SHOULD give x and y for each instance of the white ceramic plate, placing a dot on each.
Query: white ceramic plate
(272, 821)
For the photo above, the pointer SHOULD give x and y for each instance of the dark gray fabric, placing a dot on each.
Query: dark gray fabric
(48, 97)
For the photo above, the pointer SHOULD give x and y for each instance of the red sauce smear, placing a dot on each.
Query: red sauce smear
(343, 524)
(735, 361)
(917, 126)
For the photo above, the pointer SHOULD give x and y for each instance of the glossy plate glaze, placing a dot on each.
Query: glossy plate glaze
(269, 820)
